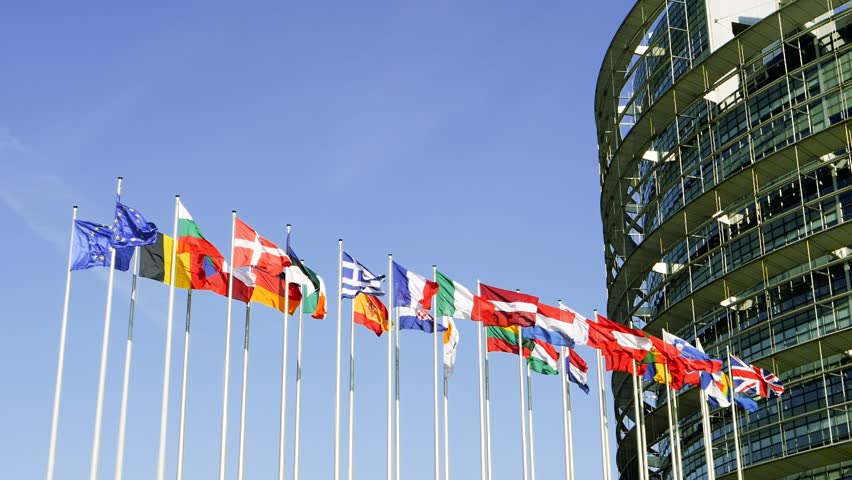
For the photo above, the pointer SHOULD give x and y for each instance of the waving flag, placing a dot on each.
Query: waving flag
(580, 326)
(357, 279)
(451, 343)
(509, 308)
(130, 229)
(717, 386)
(252, 250)
(91, 247)
(370, 312)
(544, 358)
(755, 380)
(617, 341)
(506, 339)
(454, 300)
(693, 358)
(556, 326)
(577, 370)
(412, 297)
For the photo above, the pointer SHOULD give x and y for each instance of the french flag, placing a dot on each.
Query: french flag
(412, 297)
(577, 370)
(557, 326)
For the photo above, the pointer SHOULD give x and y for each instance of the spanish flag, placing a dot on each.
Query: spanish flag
(371, 312)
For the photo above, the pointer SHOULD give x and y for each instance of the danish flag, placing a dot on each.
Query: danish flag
(252, 250)
(754, 380)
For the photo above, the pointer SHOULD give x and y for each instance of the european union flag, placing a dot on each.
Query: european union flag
(130, 229)
(91, 247)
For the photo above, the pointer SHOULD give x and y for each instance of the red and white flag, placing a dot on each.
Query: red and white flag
(505, 307)
(252, 250)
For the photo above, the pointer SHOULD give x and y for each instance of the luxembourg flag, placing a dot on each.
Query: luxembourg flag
(412, 297)
(577, 370)
(557, 326)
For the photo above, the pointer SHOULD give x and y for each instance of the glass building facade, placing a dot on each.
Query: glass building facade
(724, 142)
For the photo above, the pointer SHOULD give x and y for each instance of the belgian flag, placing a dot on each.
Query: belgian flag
(155, 262)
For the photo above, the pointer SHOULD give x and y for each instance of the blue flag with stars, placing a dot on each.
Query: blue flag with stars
(130, 229)
(91, 247)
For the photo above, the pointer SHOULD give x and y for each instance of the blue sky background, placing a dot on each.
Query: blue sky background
(455, 133)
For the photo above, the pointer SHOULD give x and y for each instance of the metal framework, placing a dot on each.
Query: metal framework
(726, 201)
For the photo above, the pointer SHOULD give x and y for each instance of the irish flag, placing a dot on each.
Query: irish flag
(314, 299)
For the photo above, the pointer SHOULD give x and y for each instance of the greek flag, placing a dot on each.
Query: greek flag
(357, 279)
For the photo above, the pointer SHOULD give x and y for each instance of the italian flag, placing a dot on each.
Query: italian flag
(544, 358)
(453, 299)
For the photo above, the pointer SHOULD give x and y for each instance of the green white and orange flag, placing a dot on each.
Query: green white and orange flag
(314, 299)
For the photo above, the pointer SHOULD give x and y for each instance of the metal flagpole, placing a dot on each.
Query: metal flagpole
(676, 425)
(122, 416)
(641, 430)
(487, 396)
(96, 444)
(673, 447)
(223, 440)
(640, 454)
(603, 420)
(566, 416)
(734, 419)
(708, 436)
(350, 447)
(390, 373)
(566, 412)
(446, 428)
(164, 407)
(396, 406)
(525, 469)
(607, 473)
(337, 383)
(282, 430)
(57, 393)
(182, 428)
(435, 369)
(530, 412)
(242, 450)
(479, 360)
(298, 421)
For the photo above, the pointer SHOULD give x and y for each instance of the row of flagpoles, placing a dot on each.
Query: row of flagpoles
(508, 321)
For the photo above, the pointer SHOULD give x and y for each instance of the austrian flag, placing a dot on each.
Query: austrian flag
(505, 307)
(252, 250)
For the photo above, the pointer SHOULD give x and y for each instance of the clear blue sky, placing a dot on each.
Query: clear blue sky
(461, 135)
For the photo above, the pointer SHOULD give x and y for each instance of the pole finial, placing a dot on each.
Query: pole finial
(74, 207)
(234, 212)
(288, 225)
(177, 196)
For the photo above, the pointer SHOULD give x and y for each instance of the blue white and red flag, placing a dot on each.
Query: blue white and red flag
(412, 297)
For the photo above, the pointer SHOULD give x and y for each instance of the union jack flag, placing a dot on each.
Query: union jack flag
(754, 380)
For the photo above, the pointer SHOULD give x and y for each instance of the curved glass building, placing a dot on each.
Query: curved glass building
(726, 198)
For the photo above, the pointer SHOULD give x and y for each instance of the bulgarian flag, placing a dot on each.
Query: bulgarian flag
(505, 339)
(544, 358)
(207, 267)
